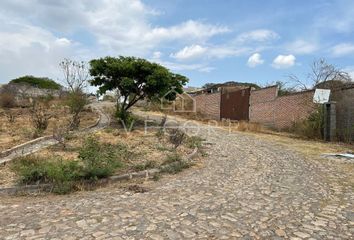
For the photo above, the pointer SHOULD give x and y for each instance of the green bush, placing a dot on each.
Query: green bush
(96, 160)
(39, 82)
(312, 127)
(100, 160)
(126, 117)
(194, 142)
(60, 173)
(76, 102)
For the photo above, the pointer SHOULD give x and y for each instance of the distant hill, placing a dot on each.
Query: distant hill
(231, 83)
(39, 82)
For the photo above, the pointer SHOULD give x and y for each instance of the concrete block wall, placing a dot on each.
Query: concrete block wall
(208, 104)
(344, 99)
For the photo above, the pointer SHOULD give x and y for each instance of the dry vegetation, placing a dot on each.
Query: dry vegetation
(137, 151)
(16, 125)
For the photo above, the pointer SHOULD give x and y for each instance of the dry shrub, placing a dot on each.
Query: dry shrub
(7, 100)
(250, 127)
(40, 116)
(154, 106)
(176, 136)
(312, 127)
(10, 115)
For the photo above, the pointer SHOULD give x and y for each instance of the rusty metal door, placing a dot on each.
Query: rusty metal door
(235, 105)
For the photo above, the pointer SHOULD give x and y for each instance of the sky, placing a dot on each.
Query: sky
(206, 40)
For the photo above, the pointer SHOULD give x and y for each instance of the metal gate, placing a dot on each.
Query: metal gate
(235, 104)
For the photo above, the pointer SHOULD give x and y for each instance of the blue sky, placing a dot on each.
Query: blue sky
(205, 40)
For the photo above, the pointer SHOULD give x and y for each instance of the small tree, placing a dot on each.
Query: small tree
(76, 75)
(135, 79)
(76, 102)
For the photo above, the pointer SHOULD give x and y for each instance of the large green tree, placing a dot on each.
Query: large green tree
(135, 79)
(40, 82)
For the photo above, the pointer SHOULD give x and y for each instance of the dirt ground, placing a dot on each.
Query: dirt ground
(22, 130)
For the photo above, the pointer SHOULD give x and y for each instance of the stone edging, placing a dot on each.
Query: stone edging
(127, 176)
(7, 152)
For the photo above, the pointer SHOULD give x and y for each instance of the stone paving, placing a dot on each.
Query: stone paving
(247, 189)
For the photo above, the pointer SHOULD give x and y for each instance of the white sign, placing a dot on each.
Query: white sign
(321, 95)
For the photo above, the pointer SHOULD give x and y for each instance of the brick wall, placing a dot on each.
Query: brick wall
(261, 105)
(208, 104)
(279, 112)
(293, 108)
(264, 95)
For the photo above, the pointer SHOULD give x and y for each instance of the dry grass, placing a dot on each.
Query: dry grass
(22, 130)
(144, 150)
(244, 126)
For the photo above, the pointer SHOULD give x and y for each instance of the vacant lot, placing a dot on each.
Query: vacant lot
(21, 129)
(109, 151)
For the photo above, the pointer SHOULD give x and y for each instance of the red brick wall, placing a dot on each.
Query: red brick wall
(208, 104)
(293, 108)
(280, 112)
(262, 104)
(263, 95)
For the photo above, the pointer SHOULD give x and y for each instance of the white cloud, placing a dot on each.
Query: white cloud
(114, 27)
(350, 71)
(190, 52)
(259, 35)
(301, 47)
(200, 67)
(129, 31)
(156, 55)
(210, 52)
(255, 60)
(26, 49)
(343, 49)
(284, 61)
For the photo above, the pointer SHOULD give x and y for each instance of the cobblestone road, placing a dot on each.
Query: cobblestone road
(247, 189)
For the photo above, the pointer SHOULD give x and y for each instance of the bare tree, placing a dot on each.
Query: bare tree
(322, 71)
(297, 83)
(322, 74)
(76, 75)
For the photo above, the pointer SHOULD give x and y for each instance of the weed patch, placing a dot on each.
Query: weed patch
(145, 166)
(60, 173)
(100, 160)
(174, 164)
(194, 142)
